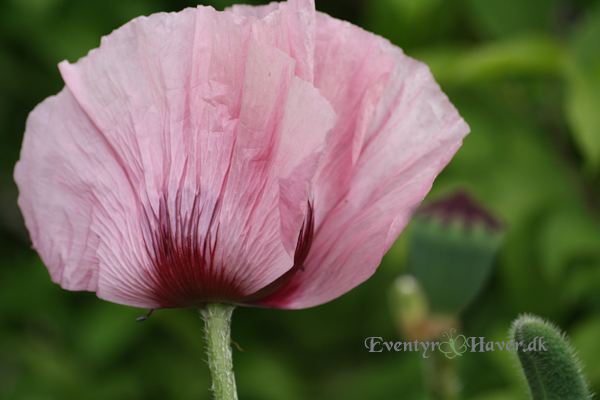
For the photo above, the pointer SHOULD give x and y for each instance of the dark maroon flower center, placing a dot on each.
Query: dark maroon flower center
(183, 266)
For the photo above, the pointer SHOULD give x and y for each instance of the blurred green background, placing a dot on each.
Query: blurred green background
(525, 74)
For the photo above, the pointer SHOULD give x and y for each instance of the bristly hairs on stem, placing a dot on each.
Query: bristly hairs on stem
(554, 373)
(217, 322)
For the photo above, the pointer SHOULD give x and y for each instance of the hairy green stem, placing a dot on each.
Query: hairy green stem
(217, 320)
(549, 363)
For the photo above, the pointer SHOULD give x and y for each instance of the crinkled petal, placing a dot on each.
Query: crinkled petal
(203, 123)
(282, 127)
(255, 11)
(189, 151)
(351, 71)
(76, 198)
(396, 149)
(288, 26)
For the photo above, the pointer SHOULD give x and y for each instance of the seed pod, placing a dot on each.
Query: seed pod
(453, 247)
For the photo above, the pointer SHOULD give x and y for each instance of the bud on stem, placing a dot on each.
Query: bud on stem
(554, 374)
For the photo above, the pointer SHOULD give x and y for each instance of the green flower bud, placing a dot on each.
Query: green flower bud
(453, 247)
(551, 368)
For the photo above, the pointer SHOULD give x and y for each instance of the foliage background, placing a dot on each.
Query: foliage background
(525, 74)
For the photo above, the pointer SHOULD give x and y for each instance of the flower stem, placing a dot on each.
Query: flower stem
(442, 377)
(217, 320)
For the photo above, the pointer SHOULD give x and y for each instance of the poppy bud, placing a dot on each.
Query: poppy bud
(453, 246)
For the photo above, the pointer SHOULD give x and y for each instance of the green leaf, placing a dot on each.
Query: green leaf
(497, 395)
(413, 10)
(582, 74)
(530, 54)
(582, 101)
(567, 237)
(500, 18)
(585, 339)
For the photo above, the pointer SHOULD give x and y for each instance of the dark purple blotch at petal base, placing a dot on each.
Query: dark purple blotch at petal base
(183, 264)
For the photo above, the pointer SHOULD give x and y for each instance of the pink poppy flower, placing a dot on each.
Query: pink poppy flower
(263, 155)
